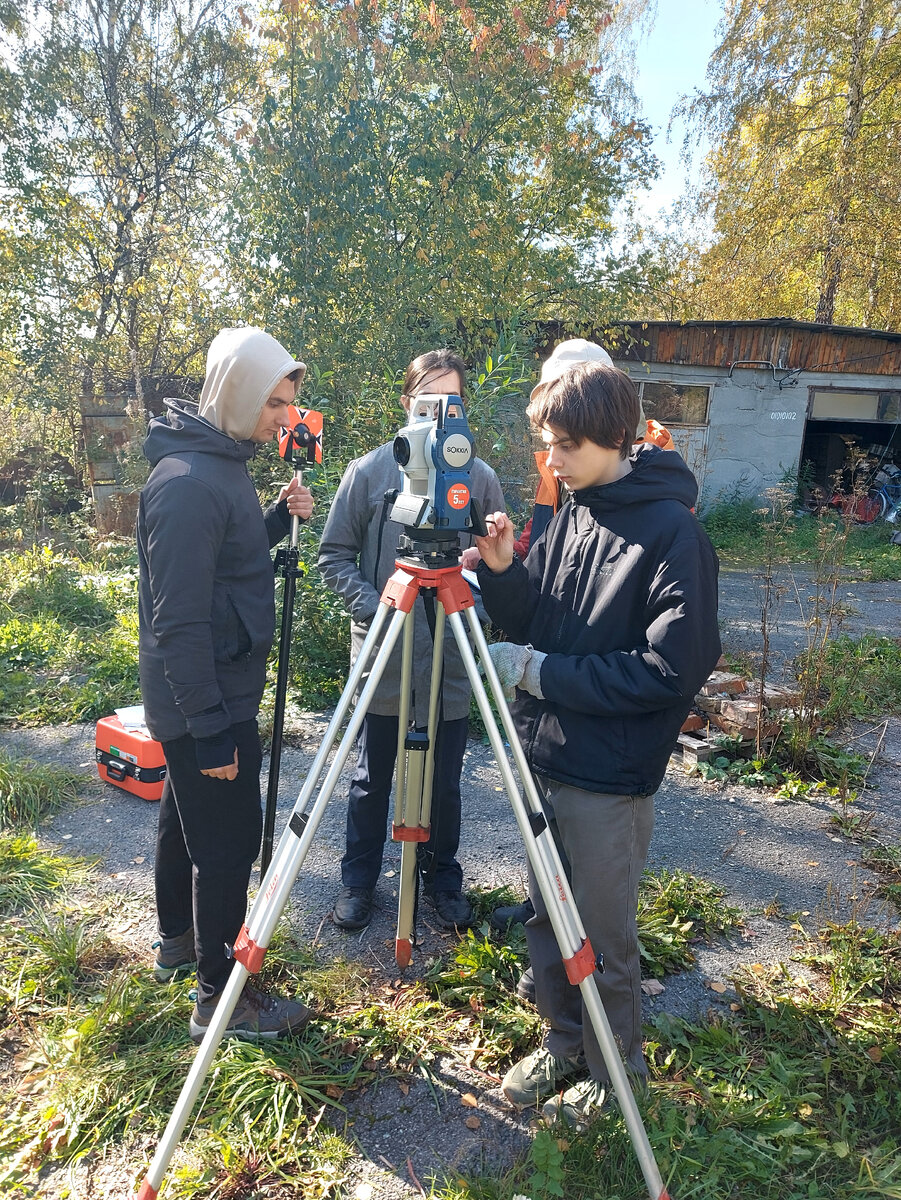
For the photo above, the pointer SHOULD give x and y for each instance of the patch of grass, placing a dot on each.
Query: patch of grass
(738, 531)
(863, 677)
(69, 636)
(790, 1095)
(798, 765)
(31, 791)
(882, 857)
(675, 911)
(105, 1052)
(29, 875)
(793, 1096)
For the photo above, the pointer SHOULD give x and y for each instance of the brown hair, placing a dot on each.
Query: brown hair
(591, 400)
(433, 362)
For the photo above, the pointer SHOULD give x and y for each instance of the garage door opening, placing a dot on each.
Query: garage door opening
(852, 448)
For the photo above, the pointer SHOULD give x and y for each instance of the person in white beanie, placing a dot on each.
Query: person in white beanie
(206, 623)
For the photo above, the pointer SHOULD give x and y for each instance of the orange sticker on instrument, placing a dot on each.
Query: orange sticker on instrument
(458, 495)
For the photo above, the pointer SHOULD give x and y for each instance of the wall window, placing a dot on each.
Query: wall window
(832, 404)
(675, 403)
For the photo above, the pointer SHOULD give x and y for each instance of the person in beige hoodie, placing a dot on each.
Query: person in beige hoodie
(206, 624)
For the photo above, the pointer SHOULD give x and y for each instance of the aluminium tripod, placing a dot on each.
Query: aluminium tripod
(435, 567)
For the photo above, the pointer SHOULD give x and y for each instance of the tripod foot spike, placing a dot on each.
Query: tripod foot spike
(147, 1192)
(403, 952)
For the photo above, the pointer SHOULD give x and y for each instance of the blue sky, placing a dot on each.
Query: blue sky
(671, 61)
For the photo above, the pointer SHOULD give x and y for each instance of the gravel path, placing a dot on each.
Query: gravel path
(779, 862)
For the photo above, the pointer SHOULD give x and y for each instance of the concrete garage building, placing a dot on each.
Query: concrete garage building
(748, 402)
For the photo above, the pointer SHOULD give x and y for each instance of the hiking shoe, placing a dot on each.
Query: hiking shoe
(257, 1016)
(174, 956)
(539, 1075)
(525, 988)
(353, 908)
(578, 1105)
(451, 908)
(511, 914)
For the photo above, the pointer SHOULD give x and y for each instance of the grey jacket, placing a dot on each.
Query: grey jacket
(347, 562)
(206, 593)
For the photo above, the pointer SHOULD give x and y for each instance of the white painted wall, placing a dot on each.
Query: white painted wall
(755, 429)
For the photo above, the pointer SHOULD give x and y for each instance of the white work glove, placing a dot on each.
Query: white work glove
(517, 666)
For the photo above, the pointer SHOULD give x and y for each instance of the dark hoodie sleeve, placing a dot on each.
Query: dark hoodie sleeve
(681, 650)
(185, 525)
(278, 522)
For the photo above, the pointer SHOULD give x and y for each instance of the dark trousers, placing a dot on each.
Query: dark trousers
(208, 837)
(367, 809)
(603, 842)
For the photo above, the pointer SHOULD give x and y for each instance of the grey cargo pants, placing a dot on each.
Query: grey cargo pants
(603, 841)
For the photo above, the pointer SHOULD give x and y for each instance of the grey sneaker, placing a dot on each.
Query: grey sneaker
(537, 1076)
(578, 1105)
(174, 956)
(256, 1016)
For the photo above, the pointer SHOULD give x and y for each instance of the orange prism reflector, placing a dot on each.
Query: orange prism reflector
(311, 420)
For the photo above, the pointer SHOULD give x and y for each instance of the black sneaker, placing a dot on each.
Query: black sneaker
(257, 1016)
(511, 914)
(174, 956)
(353, 908)
(451, 908)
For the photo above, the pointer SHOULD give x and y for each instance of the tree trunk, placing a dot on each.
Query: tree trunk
(834, 249)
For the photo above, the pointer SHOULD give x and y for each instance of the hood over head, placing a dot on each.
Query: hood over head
(655, 475)
(243, 367)
(180, 431)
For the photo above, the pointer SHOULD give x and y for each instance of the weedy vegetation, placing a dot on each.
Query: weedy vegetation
(99, 1051)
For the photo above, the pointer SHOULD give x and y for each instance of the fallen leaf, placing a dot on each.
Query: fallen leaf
(334, 1092)
(652, 987)
(469, 1100)
(875, 1054)
(139, 859)
(735, 1007)
(472, 1122)
(404, 1087)
(812, 862)
(757, 968)
(716, 986)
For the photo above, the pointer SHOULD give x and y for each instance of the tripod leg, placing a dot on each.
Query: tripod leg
(578, 956)
(408, 784)
(413, 808)
(253, 941)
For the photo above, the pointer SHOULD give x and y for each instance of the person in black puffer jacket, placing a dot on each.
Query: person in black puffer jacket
(612, 622)
(206, 623)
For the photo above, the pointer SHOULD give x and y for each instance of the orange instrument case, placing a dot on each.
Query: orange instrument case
(130, 759)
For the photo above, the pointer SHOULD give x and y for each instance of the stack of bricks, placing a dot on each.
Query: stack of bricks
(730, 704)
